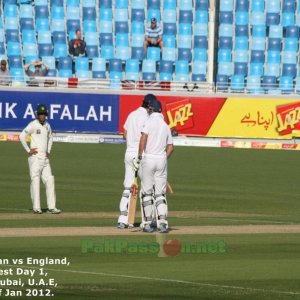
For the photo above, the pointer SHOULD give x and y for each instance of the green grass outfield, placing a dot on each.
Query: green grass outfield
(228, 187)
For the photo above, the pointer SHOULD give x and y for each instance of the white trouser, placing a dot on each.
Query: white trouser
(40, 168)
(128, 181)
(154, 174)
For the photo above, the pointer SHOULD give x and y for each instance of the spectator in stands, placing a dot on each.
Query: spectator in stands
(4, 73)
(77, 46)
(38, 72)
(153, 36)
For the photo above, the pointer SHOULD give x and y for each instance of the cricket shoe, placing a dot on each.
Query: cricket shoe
(163, 228)
(37, 212)
(54, 211)
(148, 228)
(121, 225)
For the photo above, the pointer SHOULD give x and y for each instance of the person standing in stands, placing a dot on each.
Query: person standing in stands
(153, 36)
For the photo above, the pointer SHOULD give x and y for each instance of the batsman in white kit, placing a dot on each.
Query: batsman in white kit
(157, 145)
(41, 142)
(132, 133)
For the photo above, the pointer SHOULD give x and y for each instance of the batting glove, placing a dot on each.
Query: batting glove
(136, 164)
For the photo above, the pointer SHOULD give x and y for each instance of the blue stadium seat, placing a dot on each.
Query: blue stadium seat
(105, 14)
(41, 11)
(137, 53)
(226, 17)
(123, 53)
(168, 40)
(169, 29)
(57, 25)
(169, 16)
(92, 51)
(241, 31)
(200, 4)
(224, 43)
(83, 74)
(89, 26)
(289, 6)
(29, 49)
(242, 6)
(253, 83)
(289, 70)
(91, 38)
(72, 3)
(81, 63)
(241, 56)
(73, 13)
(45, 49)
(224, 55)
(290, 44)
(28, 36)
(42, 24)
(258, 6)
(169, 4)
(257, 56)
(65, 63)
(88, 3)
(286, 84)
(121, 15)
(242, 18)
(153, 4)
(10, 10)
(153, 13)
(241, 43)
(132, 69)
(273, 6)
(225, 30)
(121, 27)
(105, 26)
(57, 13)
(149, 69)
(153, 53)
(169, 54)
(106, 39)
(256, 69)
(122, 40)
(184, 54)
(185, 41)
(15, 61)
(222, 82)
(185, 16)
(292, 32)
(73, 25)
(137, 28)
(59, 37)
(26, 11)
(99, 68)
(2, 48)
(258, 18)
(185, 4)
(226, 5)
(107, 52)
(44, 37)
(269, 82)
(12, 35)
(182, 71)
(138, 4)
(13, 48)
(259, 31)
(272, 69)
(237, 82)
(165, 70)
(198, 68)
(16, 75)
(50, 61)
(12, 23)
(275, 31)
(65, 73)
(137, 15)
(289, 57)
(273, 57)
(89, 13)
(225, 68)
(258, 44)
(200, 29)
(60, 50)
(288, 19)
(137, 40)
(201, 16)
(59, 3)
(105, 4)
(272, 19)
(274, 44)
(121, 3)
(240, 68)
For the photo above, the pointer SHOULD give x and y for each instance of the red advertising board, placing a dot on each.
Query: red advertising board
(188, 115)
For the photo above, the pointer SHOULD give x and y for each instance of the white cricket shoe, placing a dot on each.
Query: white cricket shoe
(54, 211)
(148, 228)
(163, 228)
(37, 212)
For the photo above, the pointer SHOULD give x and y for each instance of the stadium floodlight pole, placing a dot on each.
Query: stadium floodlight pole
(211, 42)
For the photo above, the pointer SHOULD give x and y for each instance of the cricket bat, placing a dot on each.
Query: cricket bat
(132, 201)
(169, 189)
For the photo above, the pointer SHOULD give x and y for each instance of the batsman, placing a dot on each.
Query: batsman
(40, 133)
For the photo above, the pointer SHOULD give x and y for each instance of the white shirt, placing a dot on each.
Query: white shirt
(133, 125)
(159, 135)
(41, 138)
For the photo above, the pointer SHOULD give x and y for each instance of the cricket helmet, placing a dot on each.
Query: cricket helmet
(156, 106)
(42, 110)
(148, 100)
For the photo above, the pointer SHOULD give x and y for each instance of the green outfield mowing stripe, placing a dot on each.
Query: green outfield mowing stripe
(202, 284)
